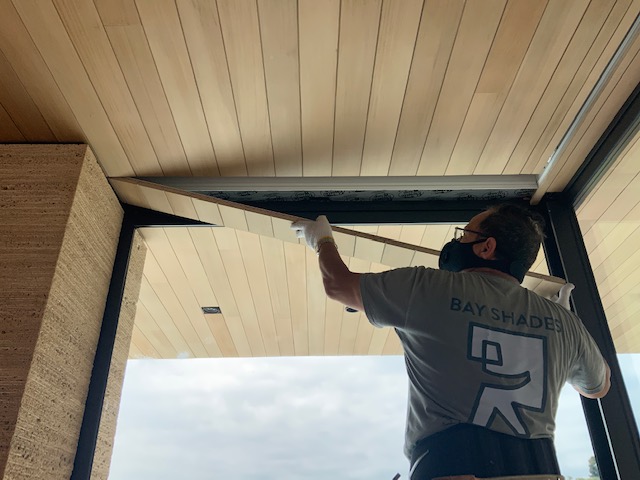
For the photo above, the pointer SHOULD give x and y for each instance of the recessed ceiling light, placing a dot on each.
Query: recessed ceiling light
(210, 310)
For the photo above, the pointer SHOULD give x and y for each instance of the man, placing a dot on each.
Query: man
(486, 358)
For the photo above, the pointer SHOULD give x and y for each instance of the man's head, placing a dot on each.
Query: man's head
(517, 230)
(505, 237)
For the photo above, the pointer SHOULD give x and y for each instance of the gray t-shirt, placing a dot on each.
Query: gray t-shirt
(481, 349)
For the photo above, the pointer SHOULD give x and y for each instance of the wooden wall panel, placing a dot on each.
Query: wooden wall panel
(397, 35)
(131, 48)
(566, 92)
(162, 27)
(436, 35)
(20, 107)
(27, 63)
(556, 28)
(201, 25)
(86, 32)
(58, 51)
(241, 33)
(359, 24)
(318, 24)
(279, 33)
(515, 32)
(473, 41)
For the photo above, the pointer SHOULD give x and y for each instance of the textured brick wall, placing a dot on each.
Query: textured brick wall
(61, 223)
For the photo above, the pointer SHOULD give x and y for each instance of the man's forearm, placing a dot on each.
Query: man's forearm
(340, 283)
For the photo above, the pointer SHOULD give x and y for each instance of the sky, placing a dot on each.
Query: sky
(289, 418)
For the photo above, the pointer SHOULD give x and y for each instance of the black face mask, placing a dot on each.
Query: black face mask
(456, 256)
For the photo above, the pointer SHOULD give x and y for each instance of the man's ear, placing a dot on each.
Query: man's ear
(487, 249)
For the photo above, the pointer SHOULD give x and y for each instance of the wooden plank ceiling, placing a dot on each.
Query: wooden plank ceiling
(305, 88)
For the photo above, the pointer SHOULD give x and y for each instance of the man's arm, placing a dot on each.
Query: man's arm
(605, 388)
(340, 283)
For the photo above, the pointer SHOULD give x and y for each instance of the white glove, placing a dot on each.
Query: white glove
(562, 298)
(316, 233)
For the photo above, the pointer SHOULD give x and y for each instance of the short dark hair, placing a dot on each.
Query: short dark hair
(518, 232)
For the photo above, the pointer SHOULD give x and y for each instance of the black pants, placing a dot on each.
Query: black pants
(471, 450)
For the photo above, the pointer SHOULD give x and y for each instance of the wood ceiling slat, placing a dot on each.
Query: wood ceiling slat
(552, 36)
(435, 236)
(599, 203)
(517, 27)
(131, 48)
(475, 35)
(345, 243)
(412, 234)
(617, 254)
(8, 129)
(241, 33)
(318, 25)
(163, 30)
(203, 35)
(276, 269)
(359, 22)
(295, 260)
(147, 325)
(182, 206)
(191, 264)
(366, 248)
(151, 301)
(316, 305)
(208, 212)
(25, 59)
(134, 351)
(142, 347)
(19, 105)
(436, 36)
(259, 224)
(235, 269)
(279, 33)
(252, 255)
(560, 102)
(612, 289)
(59, 53)
(233, 218)
(396, 256)
(177, 295)
(282, 230)
(425, 260)
(620, 85)
(392, 346)
(378, 340)
(87, 33)
(333, 326)
(363, 336)
(117, 13)
(219, 326)
(214, 267)
(545, 147)
(396, 39)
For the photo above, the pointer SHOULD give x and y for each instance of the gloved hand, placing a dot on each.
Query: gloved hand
(316, 233)
(562, 298)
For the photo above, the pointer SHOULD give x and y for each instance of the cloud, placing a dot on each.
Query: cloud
(286, 418)
(339, 417)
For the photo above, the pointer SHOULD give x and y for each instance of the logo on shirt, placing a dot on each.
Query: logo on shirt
(518, 362)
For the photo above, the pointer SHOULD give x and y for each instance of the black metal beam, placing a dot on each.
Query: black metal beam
(98, 385)
(611, 422)
(380, 212)
(143, 217)
(616, 137)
